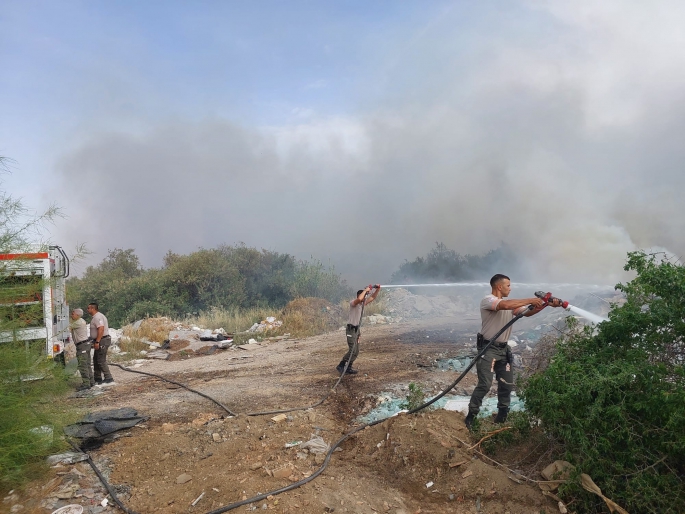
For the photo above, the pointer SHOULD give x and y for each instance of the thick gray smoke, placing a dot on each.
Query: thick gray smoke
(563, 143)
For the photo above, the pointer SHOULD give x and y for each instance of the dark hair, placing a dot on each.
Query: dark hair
(496, 279)
(94, 304)
(360, 292)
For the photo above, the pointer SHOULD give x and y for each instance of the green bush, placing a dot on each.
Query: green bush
(444, 264)
(615, 397)
(227, 277)
(414, 398)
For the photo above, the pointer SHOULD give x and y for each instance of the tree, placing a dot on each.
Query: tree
(614, 397)
(27, 411)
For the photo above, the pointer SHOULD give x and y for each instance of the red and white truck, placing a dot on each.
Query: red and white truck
(33, 303)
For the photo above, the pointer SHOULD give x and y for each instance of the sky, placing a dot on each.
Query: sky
(357, 133)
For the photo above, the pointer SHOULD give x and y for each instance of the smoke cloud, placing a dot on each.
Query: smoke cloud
(562, 142)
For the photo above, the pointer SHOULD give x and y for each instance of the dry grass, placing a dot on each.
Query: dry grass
(302, 317)
(232, 321)
(152, 329)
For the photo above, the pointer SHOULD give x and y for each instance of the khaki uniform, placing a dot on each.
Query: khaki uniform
(100, 366)
(79, 334)
(494, 360)
(352, 332)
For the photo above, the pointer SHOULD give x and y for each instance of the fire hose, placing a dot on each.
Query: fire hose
(547, 298)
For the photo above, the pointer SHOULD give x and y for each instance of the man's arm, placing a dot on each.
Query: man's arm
(359, 299)
(532, 312)
(512, 305)
(373, 296)
(101, 331)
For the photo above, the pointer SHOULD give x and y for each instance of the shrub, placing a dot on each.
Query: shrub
(615, 397)
(414, 398)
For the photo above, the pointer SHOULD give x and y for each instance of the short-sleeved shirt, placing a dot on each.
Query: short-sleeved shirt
(355, 313)
(99, 320)
(79, 330)
(493, 320)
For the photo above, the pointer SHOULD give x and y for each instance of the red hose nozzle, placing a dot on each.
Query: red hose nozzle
(548, 298)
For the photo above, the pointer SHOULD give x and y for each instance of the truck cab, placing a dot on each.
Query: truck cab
(33, 304)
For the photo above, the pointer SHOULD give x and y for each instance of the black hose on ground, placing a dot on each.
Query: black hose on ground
(107, 485)
(230, 412)
(349, 434)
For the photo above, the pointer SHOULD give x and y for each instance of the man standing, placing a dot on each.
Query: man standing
(99, 332)
(495, 312)
(79, 334)
(352, 329)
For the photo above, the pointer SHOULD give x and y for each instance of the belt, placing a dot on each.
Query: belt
(84, 341)
(352, 327)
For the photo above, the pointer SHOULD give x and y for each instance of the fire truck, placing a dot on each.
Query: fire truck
(33, 304)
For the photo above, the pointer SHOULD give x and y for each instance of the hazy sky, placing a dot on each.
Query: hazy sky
(359, 133)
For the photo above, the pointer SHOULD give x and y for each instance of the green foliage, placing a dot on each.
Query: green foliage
(30, 392)
(30, 385)
(615, 398)
(227, 277)
(444, 264)
(415, 397)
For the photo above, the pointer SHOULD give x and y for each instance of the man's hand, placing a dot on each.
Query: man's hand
(377, 286)
(556, 302)
(537, 302)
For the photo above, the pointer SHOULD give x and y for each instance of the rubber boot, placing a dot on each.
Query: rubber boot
(502, 415)
(468, 420)
(341, 367)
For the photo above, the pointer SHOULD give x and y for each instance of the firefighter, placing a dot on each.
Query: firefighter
(496, 310)
(99, 333)
(79, 334)
(352, 329)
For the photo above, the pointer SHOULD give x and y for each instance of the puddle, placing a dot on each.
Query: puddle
(488, 407)
(391, 405)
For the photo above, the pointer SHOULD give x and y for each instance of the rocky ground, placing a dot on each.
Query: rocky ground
(190, 448)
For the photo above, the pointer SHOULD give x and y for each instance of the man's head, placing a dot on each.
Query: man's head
(502, 284)
(92, 308)
(360, 292)
(76, 314)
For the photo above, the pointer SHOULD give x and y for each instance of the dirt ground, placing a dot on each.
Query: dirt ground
(407, 464)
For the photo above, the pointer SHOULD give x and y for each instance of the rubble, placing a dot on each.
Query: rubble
(269, 323)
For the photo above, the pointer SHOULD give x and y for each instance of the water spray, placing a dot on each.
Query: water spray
(548, 298)
(527, 285)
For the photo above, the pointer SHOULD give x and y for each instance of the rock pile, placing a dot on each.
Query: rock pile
(268, 324)
(404, 304)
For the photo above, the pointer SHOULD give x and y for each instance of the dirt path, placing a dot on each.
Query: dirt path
(385, 468)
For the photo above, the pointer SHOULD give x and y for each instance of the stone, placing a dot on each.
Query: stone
(216, 437)
(283, 472)
(183, 478)
(256, 465)
(66, 458)
(158, 354)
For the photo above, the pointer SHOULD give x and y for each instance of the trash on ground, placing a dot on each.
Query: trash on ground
(316, 444)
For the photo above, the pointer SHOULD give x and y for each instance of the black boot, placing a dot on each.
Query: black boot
(351, 371)
(502, 415)
(468, 420)
(341, 367)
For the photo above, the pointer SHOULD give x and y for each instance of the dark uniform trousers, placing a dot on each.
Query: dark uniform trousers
(100, 366)
(83, 359)
(505, 379)
(352, 333)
